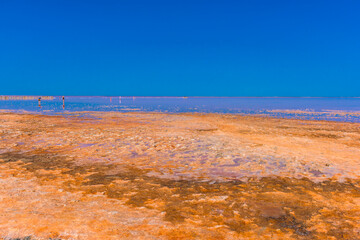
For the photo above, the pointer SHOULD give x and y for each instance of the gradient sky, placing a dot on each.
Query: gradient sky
(180, 48)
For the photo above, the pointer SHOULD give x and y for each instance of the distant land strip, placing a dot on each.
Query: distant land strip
(26, 97)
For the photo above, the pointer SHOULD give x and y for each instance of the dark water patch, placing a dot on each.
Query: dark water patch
(206, 129)
(85, 145)
(237, 162)
(316, 173)
(290, 222)
(29, 238)
(325, 135)
(22, 238)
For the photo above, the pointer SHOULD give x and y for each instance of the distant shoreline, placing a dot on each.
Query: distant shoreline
(96, 96)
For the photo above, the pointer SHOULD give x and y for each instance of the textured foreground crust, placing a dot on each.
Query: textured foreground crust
(177, 176)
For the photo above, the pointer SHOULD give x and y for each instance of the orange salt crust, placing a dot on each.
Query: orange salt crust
(177, 176)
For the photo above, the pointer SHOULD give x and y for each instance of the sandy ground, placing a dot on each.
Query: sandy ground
(177, 176)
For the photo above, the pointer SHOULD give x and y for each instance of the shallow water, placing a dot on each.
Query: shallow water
(336, 109)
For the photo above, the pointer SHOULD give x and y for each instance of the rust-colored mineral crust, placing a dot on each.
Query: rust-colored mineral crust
(177, 176)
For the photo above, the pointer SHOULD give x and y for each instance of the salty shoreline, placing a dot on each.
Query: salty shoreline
(178, 176)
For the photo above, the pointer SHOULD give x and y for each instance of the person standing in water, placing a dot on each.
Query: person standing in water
(63, 102)
(39, 102)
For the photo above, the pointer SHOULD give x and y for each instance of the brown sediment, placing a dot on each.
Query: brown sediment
(144, 176)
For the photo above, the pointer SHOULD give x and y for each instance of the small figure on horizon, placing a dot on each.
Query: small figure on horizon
(39, 102)
(63, 98)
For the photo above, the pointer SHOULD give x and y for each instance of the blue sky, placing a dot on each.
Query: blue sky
(180, 48)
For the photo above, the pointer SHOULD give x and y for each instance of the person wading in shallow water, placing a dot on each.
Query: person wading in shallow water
(63, 102)
(39, 101)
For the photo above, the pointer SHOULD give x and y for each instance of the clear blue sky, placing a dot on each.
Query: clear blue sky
(201, 48)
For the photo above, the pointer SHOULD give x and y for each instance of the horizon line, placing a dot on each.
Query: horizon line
(139, 96)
